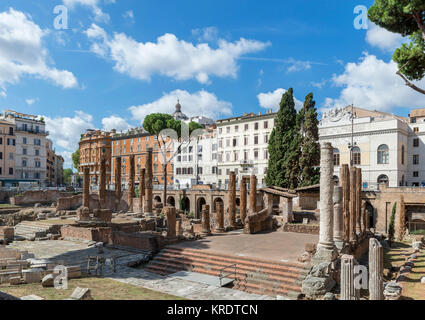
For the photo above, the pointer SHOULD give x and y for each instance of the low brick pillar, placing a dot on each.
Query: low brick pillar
(83, 214)
(103, 214)
(219, 218)
(205, 220)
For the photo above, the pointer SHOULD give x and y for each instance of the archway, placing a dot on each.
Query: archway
(383, 179)
(369, 209)
(186, 205)
(217, 200)
(336, 180)
(157, 199)
(171, 201)
(200, 202)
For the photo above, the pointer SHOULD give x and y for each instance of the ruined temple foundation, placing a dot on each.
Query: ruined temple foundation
(205, 220)
(148, 183)
(219, 218)
(326, 251)
(376, 270)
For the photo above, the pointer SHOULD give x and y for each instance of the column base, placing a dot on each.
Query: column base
(219, 230)
(325, 254)
(339, 244)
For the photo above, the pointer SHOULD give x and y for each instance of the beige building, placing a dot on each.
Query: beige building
(7, 153)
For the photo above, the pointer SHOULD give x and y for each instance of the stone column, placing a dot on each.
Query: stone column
(86, 187)
(219, 218)
(345, 183)
(205, 219)
(347, 278)
(353, 198)
(232, 199)
(148, 182)
(243, 193)
(364, 217)
(131, 190)
(141, 188)
(358, 200)
(170, 213)
(253, 194)
(325, 247)
(102, 184)
(117, 183)
(376, 270)
(338, 218)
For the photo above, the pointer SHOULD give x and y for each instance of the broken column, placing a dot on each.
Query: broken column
(232, 199)
(358, 200)
(347, 278)
(376, 270)
(86, 188)
(338, 218)
(148, 182)
(131, 190)
(141, 188)
(253, 194)
(243, 193)
(353, 198)
(205, 220)
(170, 213)
(102, 184)
(345, 183)
(325, 248)
(117, 183)
(364, 215)
(219, 217)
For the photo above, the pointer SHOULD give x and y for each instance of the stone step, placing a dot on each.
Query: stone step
(217, 265)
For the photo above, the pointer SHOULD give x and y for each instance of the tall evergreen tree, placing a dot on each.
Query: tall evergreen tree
(283, 147)
(310, 148)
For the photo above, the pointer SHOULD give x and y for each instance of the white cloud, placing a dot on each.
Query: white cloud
(170, 56)
(193, 104)
(22, 51)
(372, 83)
(115, 122)
(3, 94)
(382, 38)
(298, 65)
(129, 15)
(272, 99)
(31, 101)
(66, 131)
(93, 5)
(208, 34)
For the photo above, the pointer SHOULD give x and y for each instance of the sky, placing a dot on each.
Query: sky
(108, 63)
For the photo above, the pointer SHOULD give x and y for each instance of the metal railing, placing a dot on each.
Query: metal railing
(223, 275)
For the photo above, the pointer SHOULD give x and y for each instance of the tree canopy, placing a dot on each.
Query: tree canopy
(405, 17)
(76, 159)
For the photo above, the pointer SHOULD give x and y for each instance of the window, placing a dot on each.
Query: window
(24, 151)
(402, 154)
(412, 120)
(266, 138)
(266, 124)
(357, 158)
(236, 128)
(37, 175)
(416, 142)
(266, 154)
(24, 162)
(179, 170)
(246, 127)
(37, 152)
(383, 154)
(10, 156)
(1, 155)
(228, 129)
(416, 129)
(235, 142)
(256, 154)
(235, 156)
(415, 174)
(10, 171)
(245, 140)
(256, 126)
(1, 140)
(415, 159)
(336, 157)
(255, 139)
(220, 130)
(37, 142)
(11, 131)
(24, 140)
(227, 142)
(227, 156)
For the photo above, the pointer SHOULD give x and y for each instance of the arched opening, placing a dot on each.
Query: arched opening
(157, 199)
(383, 179)
(217, 200)
(171, 201)
(383, 154)
(371, 217)
(336, 157)
(336, 180)
(186, 205)
(357, 156)
(200, 202)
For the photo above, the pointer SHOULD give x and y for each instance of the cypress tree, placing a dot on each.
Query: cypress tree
(310, 148)
(282, 171)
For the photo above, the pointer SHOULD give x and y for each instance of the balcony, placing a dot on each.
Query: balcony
(32, 130)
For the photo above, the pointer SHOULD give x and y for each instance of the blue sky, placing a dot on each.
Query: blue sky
(121, 59)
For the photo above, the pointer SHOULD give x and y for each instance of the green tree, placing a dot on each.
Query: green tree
(171, 136)
(76, 159)
(67, 174)
(309, 160)
(406, 17)
(283, 165)
(391, 227)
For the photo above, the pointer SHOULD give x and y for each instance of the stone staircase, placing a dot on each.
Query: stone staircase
(253, 275)
(28, 230)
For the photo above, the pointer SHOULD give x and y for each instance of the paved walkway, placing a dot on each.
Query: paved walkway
(278, 246)
(73, 252)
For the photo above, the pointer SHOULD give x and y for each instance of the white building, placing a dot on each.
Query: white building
(197, 162)
(389, 149)
(243, 145)
(30, 157)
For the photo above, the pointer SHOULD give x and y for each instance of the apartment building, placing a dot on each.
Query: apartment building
(7, 153)
(50, 164)
(243, 145)
(94, 145)
(30, 152)
(59, 161)
(135, 142)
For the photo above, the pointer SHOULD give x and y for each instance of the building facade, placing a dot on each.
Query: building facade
(135, 142)
(59, 161)
(243, 145)
(7, 153)
(94, 145)
(30, 157)
(50, 164)
(390, 149)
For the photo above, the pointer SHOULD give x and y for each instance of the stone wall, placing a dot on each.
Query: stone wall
(33, 197)
(257, 222)
(69, 203)
(301, 228)
(308, 200)
(7, 233)
(100, 234)
(140, 240)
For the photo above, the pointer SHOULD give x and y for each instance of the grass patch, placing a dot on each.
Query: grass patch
(7, 206)
(395, 257)
(418, 232)
(101, 289)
